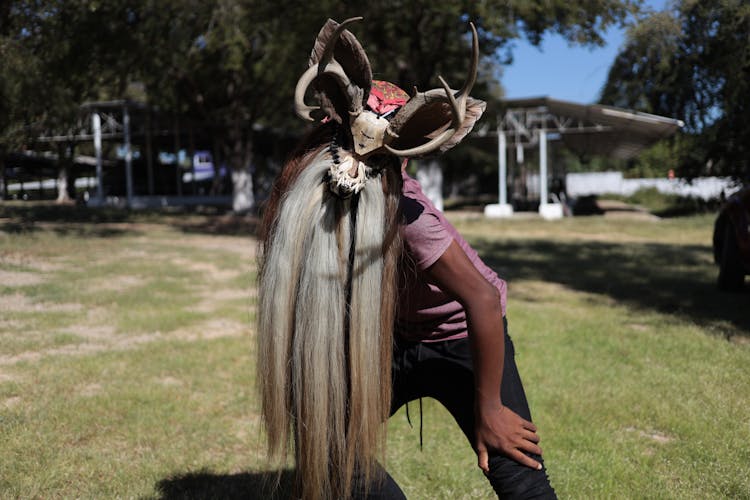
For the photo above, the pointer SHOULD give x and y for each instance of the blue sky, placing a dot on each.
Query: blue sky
(561, 71)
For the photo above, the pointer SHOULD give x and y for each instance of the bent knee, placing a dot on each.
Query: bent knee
(511, 480)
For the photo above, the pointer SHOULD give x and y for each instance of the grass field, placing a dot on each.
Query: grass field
(127, 369)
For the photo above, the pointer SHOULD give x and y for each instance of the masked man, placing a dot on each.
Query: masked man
(369, 298)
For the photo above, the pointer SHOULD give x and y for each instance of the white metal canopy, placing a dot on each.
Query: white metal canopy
(587, 129)
(590, 129)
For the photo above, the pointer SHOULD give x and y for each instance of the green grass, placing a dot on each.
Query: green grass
(127, 369)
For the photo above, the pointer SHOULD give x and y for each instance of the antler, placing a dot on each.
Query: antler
(457, 103)
(326, 65)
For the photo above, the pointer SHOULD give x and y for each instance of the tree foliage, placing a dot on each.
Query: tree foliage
(232, 64)
(692, 62)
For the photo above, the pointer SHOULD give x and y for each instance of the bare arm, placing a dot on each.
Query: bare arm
(497, 426)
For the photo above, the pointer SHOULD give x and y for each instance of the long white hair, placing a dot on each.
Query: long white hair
(326, 306)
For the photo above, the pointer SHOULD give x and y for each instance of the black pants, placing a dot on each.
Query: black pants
(444, 371)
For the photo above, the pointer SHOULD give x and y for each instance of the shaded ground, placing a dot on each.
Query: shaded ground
(25, 217)
(670, 278)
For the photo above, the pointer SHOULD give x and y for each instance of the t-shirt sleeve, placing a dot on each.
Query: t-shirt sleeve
(426, 239)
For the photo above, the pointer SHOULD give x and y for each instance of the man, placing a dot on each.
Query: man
(343, 223)
(452, 345)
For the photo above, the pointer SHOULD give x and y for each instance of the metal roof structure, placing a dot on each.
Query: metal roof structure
(112, 121)
(587, 129)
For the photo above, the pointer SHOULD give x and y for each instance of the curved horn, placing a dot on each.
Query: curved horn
(458, 107)
(331, 45)
(471, 78)
(327, 64)
(332, 68)
(457, 110)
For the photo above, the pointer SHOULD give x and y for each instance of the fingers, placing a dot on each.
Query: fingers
(531, 436)
(516, 455)
(511, 435)
(529, 442)
(529, 425)
(525, 460)
(531, 448)
(525, 423)
(482, 459)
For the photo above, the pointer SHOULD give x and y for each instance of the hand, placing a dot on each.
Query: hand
(501, 429)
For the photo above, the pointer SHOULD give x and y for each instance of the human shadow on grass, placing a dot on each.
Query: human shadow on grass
(244, 485)
(674, 279)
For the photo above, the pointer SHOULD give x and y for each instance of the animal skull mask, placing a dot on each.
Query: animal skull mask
(368, 132)
(428, 123)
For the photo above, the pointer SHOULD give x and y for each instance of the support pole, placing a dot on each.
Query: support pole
(96, 124)
(178, 168)
(542, 168)
(191, 153)
(3, 179)
(149, 154)
(502, 209)
(546, 210)
(503, 166)
(128, 156)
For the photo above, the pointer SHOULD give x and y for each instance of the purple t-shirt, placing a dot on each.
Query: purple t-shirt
(425, 312)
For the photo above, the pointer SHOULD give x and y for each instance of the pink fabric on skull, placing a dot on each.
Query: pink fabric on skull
(385, 97)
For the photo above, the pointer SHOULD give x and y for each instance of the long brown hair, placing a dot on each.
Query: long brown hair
(327, 295)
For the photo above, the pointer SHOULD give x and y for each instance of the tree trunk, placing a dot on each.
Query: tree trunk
(241, 163)
(430, 177)
(3, 184)
(65, 179)
(217, 158)
(62, 185)
(243, 199)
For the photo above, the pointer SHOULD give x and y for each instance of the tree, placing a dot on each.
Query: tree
(412, 44)
(259, 54)
(232, 64)
(220, 63)
(692, 62)
(59, 54)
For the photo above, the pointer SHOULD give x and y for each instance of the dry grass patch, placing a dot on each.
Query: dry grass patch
(7, 377)
(90, 390)
(209, 271)
(118, 283)
(16, 278)
(244, 247)
(92, 333)
(212, 299)
(16, 259)
(18, 302)
(213, 329)
(11, 402)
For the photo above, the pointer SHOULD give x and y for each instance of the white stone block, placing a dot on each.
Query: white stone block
(551, 211)
(498, 211)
